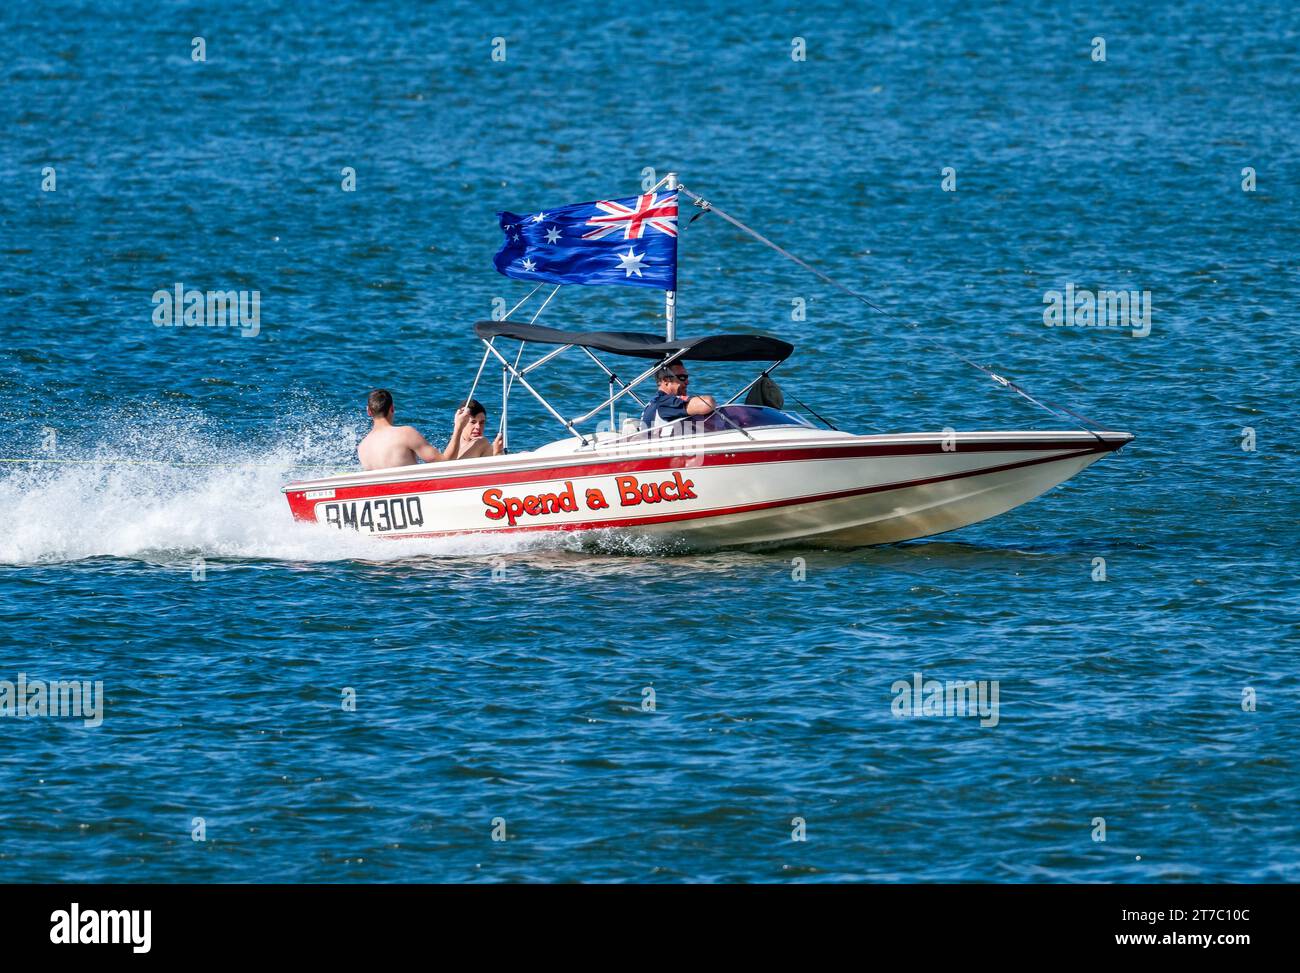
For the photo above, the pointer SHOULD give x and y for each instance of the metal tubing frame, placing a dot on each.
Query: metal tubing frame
(522, 303)
(670, 297)
(511, 372)
(505, 400)
(631, 385)
(612, 377)
(515, 374)
(518, 355)
(571, 424)
(538, 312)
(473, 388)
(547, 357)
(767, 371)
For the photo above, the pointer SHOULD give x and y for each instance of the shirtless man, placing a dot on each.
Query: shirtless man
(386, 445)
(470, 444)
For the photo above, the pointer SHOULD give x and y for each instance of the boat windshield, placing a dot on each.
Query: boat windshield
(736, 417)
(747, 417)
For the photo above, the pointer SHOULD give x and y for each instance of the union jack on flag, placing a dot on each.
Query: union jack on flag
(629, 241)
(649, 211)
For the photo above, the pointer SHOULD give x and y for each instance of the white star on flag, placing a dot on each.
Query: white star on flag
(630, 262)
(552, 235)
(539, 217)
(529, 265)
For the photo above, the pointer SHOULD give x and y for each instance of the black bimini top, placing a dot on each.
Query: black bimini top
(716, 347)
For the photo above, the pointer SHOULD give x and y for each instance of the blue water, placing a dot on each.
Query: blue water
(507, 681)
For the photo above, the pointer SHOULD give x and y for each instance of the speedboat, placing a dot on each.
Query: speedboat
(750, 473)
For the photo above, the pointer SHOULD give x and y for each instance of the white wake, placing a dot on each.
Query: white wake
(161, 494)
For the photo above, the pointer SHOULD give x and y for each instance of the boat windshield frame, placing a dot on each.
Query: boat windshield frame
(618, 389)
(728, 423)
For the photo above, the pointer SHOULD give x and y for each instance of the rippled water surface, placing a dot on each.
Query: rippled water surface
(508, 680)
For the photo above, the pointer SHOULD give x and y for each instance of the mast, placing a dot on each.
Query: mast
(670, 297)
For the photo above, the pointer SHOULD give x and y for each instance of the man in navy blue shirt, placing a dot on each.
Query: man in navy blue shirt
(673, 401)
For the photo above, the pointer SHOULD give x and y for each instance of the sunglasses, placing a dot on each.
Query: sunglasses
(678, 378)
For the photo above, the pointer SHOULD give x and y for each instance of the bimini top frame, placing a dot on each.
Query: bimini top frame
(723, 347)
(634, 344)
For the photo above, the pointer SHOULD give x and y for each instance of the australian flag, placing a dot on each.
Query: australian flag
(609, 241)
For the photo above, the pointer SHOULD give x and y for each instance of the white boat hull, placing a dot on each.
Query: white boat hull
(716, 490)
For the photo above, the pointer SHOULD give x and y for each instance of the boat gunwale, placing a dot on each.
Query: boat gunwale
(883, 445)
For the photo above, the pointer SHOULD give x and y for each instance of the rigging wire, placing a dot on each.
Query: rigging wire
(708, 207)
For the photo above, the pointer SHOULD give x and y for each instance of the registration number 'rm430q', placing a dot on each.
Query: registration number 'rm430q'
(377, 516)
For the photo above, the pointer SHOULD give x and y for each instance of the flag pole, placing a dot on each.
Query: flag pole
(670, 297)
